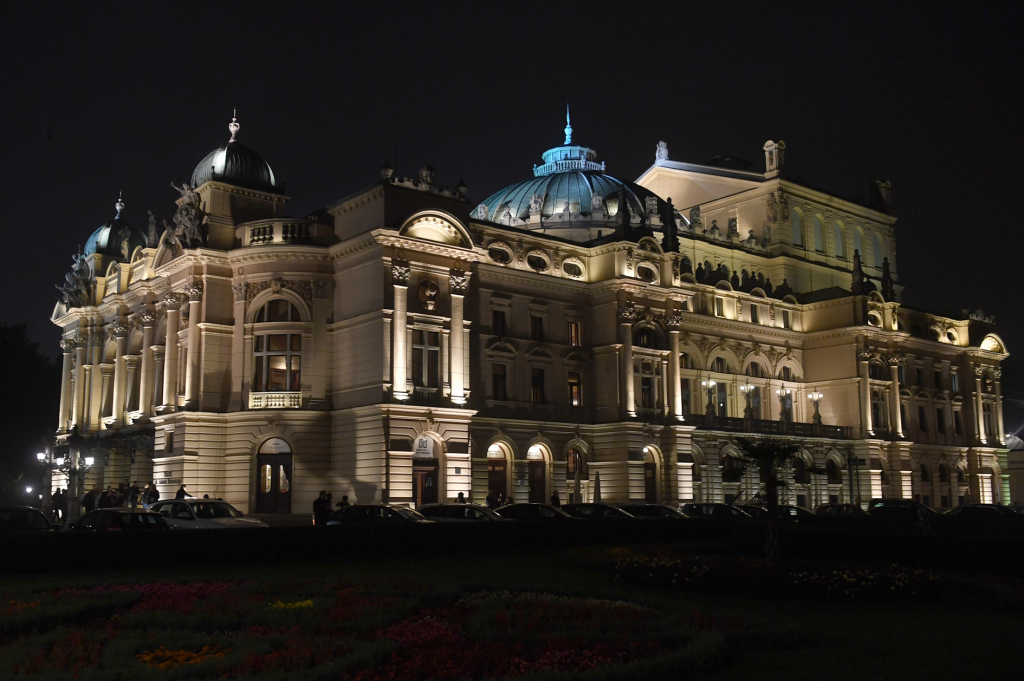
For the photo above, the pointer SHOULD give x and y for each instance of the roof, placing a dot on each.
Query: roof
(830, 293)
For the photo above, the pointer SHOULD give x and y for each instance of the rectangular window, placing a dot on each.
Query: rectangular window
(720, 307)
(647, 392)
(537, 386)
(685, 394)
(922, 420)
(990, 429)
(426, 358)
(684, 304)
(499, 377)
(954, 382)
(919, 375)
(575, 389)
(277, 362)
(684, 360)
(938, 379)
(753, 314)
(940, 420)
(785, 320)
(901, 374)
(958, 425)
(903, 416)
(574, 334)
(498, 326)
(537, 328)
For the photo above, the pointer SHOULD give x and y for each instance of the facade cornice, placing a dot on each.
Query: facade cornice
(269, 252)
(390, 238)
(827, 200)
(242, 191)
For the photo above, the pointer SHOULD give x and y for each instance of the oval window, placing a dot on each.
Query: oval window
(874, 320)
(951, 337)
(500, 256)
(536, 262)
(572, 269)
(646, 274)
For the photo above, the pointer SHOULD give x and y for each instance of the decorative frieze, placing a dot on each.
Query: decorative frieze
(401, 273)
(459, 282)
(627, 313)
(194, 291)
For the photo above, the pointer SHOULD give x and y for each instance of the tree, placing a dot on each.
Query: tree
(28, 407)
(770, 455)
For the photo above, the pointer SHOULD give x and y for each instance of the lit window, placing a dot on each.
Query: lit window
(819, 236)
(537, 386)
(574, 334)
(798, 227)
(719, 307)
(785, 320)
(277, 357)
(575, 389)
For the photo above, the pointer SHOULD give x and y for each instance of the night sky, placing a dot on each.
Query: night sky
(102, 97)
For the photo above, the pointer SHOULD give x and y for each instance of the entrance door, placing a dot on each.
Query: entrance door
(538, 480)
(424, 481)
(650, 483)
(274, 483)
(497, 476)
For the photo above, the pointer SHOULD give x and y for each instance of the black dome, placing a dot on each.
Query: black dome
(237, 164)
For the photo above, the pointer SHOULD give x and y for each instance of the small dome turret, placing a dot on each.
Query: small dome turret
(116, 239)
(237, 165)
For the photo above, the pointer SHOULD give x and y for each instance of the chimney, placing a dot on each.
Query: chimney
(774, 157)
(883, 195)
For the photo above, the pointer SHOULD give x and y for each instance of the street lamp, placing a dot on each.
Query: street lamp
(815, 397)
(28, 490)
(709, 385)
(89, 461)
(41, 457)
(786, 403)
(748, 412)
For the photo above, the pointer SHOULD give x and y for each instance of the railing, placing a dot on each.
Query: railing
(732, 424)
(275, 400)
(427, 396)
(285, 232)
(654, 415)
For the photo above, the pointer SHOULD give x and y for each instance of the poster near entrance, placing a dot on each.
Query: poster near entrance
(274, 477)
(538, 480)
(650, 483)
(424, 481)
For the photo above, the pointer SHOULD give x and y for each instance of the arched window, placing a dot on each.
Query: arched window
(786, 373)
(878, 372)
(575, 461)
(277, 355)
(925, 476)
(754, 369)
(819, 235)
(960, 476)
(943, 473)
(800, 473)
(835, 476)
(876, 248)
(644, 338)
(798, 226)
(858, 243)
(720, 365)
(840, 240)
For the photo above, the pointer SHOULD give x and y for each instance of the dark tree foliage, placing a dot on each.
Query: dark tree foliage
(770, 455)
(29, 399)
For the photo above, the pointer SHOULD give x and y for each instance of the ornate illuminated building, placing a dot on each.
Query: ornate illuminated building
(404, 344)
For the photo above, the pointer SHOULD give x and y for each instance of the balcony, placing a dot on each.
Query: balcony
(730, 424)
(277, 231)
(275, 400)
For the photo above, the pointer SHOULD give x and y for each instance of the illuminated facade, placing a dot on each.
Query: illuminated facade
(405, 344)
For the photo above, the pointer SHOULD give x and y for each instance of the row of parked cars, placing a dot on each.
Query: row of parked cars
(218, 514)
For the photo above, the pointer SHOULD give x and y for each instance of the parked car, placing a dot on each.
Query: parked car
(982, 517)
(120, 519)
(841, 511)
(785, 512)
(459, 513)
(208, 514)
(902, 512)
(604, 512)
(23, 519)
(533, 512)
(362, 514)
(713, 510)
(652, 511)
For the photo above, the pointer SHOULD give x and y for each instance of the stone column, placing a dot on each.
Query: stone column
(894, 391)
(148, 321)
(979, 404)
(120, 330)
(400, 273)
(67, 346)
(195, 302)
(156, 397)
(131, 367)
(997, 375)
(173, 302)
(674, 395)
(627, 314)
(666, 400)
(459, 282)
(78, 404)
(865, 394)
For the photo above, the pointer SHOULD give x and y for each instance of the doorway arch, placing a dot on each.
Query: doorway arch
(499, 469)
(652, 474)
(274, 467)
(427, 469)
(538, 463)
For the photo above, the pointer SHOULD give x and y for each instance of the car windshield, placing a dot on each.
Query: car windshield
(410, 514)
(22, 519)
(214, 509)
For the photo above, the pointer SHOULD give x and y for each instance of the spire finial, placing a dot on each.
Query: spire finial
(233, 126)
(568, 126)
(119, 206)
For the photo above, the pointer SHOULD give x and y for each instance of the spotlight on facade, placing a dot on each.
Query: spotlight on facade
(41, 456)
(28, 490)
(89, 461)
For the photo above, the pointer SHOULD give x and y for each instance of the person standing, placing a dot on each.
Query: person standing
(344, 501)
(133, 495)
(182, 493)
(89, 500)
(154, 494)
(321, 509)
(461, 499)
(491, 500)
(555, 501)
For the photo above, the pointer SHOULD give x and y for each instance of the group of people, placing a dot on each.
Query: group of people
(323, 505)
(124, 495)
(496, 499)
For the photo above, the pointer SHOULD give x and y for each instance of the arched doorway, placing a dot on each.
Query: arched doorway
(274, 477)
(537, 473)
(426, 476)
(576, 467)
(498, 457)
(652, 459)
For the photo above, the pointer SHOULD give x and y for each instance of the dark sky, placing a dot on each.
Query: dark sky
(102, 97)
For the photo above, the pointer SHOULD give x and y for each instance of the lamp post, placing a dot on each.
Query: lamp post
(786, 404)
(709, 385)
(815, 397)
(748, 411)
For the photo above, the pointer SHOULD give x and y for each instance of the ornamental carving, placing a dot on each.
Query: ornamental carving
(82, 338)
(997, 374)
(172, 300)
(866, 356)
(979, 370)
(459, 282)
(705, 345)
(627, 313)
(76, 291)
(400, 272)
(68, 344)
(773, 355)
(893, 359)
(674, 319)
(146, 319)
(239, 290)
(741, 352)
(194, 291)
(304, 288)
(118, 328)
(322, 289)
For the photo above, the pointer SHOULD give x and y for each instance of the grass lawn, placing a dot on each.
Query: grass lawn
(531, 615)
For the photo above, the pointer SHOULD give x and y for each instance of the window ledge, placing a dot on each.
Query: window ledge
(275, 400)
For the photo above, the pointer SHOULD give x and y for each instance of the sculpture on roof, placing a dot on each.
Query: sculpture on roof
(661, 153)
(189, 218)
(77, 287)
(152, 236)
(670, 242)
